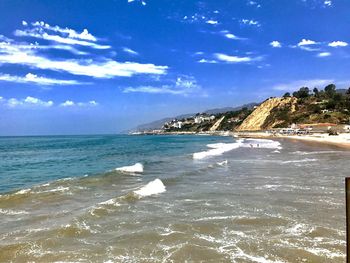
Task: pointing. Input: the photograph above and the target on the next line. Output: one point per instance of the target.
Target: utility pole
(347, 204)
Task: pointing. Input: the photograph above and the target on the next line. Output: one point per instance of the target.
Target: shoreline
(342, 140)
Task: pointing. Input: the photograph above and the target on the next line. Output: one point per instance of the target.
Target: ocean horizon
(121, 198)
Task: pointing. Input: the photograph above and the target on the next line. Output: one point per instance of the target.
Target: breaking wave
(216, 149)
(262, 143)
(136, 168)
(220, 148)
(152, 188)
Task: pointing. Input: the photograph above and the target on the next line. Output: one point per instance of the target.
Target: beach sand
(341, 140)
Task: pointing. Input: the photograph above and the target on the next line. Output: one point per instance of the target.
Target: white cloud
(32, 102)
(310, 49)
(130, 51)
(184, 85)
(327, 3)
(3, 38)
(229, 35)
(32, 78)
(295, 85)
(70, 33)
(323, 54)
(203, 60)
(233, 59)
(66, 36)
(198, 53)
(9, 45)
(70, 103)
(67, 103)
(305, 42)
(254, 3)
(276, 44)
(154, 90)
(338, 44)
(250, 22)
(59, 39)
(24, 55)
(28, 102)
(142, 2)
(36, 101)
(212, 22)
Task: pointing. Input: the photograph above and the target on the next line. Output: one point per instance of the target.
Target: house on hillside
(202, 118)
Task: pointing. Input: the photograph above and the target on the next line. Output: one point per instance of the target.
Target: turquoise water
(26, 161)
(197, 199)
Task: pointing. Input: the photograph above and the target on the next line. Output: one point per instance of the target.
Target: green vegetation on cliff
(301, 107)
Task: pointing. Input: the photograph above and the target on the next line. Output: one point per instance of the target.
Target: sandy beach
(341, 140)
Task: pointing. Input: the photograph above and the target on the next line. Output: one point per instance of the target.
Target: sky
(92, 67)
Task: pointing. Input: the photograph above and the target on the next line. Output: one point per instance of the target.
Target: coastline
(342, 140)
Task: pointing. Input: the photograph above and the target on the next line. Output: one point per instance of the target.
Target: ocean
(119, 198)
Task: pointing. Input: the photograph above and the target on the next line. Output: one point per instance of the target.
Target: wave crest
(152, 188)
(136, 168)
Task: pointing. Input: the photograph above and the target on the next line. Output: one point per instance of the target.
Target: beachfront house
(202, 118)
(177, 124)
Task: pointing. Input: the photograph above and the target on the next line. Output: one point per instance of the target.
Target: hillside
(158, 124)
(303, 107)
(266, 116)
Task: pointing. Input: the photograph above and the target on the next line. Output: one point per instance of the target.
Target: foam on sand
(262, 143)
(217, 149)
(152, 188)
(136, 168)
(220, 148)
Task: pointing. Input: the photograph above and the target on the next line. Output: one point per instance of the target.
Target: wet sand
(342, 140)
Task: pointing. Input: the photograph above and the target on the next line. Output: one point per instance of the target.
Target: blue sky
(78, 67)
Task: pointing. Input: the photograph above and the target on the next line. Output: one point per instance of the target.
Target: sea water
(170, 199)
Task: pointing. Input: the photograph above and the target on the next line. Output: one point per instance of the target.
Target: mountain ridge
(158, 124)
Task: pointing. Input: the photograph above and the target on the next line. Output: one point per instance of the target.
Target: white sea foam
(315, 152)
(222, 163)
(262, 143)
(136, 168)
(299, 229)
(325, 252)
(220, 148)
(57, 189)
(23, 191)
(112, 202)
(12, 212)
(268, 186)
(216, 149)
(152, 188)
(306, 160)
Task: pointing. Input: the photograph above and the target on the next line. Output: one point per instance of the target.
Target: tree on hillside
(302, 93)
(316, 92)
(286, 95)
(348, 91)
(330, 90)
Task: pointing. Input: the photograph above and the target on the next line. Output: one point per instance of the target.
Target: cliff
(217, 124)
(269, 114)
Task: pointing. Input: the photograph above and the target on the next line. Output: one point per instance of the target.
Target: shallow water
(272, 201)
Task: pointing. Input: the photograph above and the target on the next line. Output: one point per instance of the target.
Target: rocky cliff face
(217, 124)
(269, 114)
